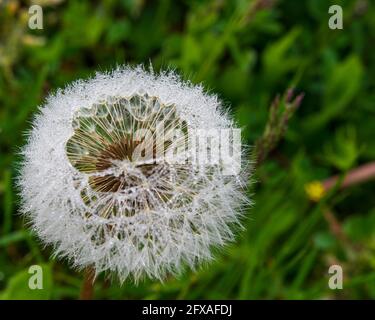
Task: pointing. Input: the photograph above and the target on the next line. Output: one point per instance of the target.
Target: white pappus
(86, 191)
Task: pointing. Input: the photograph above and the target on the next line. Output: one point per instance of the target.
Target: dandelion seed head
(88, 190)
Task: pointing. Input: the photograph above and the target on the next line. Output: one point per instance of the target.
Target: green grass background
(246, 54)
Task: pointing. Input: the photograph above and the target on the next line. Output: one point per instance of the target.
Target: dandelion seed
(97, 185)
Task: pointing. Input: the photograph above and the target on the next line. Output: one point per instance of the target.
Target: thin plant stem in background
(358, 175)
(281, 110)
(318, 189)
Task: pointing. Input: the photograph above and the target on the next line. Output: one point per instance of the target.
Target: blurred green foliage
(247, 52)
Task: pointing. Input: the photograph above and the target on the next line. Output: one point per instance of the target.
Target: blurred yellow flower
(315, 190)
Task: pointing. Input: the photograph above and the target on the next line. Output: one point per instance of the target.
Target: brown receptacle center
(101, 139)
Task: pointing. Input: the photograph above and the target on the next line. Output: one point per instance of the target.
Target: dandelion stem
(87, 290)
